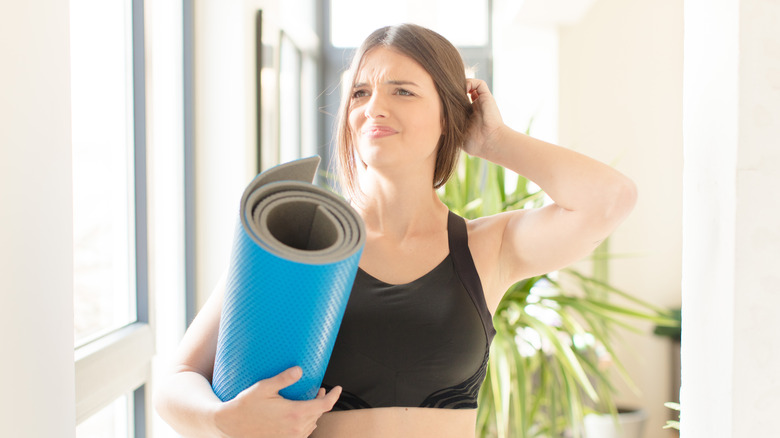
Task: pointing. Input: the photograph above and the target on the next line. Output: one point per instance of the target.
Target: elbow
(164, 395)
(630, 194)
(621, 200)
(160, 401)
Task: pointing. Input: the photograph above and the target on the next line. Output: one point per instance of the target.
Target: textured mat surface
(294, 259)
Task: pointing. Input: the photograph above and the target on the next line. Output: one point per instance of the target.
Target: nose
(375, 107)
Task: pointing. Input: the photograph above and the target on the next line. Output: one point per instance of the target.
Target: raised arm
(186, 401)
(590, 199)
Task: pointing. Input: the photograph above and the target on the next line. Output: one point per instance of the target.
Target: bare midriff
(398, 422)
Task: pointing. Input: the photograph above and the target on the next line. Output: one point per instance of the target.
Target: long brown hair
(443, 62)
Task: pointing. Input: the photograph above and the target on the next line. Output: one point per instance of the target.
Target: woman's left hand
(485, 123)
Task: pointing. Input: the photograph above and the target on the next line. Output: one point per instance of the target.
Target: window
(297, 98)
(111, 421)
(103, 167)
(289, 100)
(463, 22)
(114, 343)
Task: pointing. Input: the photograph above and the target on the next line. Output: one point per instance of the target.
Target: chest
(415, 338)
(431, 315)
(401, 262)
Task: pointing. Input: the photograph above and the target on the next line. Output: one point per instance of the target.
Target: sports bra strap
(467, 271)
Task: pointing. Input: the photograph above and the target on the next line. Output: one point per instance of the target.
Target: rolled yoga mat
(294, 259)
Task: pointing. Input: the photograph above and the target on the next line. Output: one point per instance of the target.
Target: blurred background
(602, 77)
(137, 124)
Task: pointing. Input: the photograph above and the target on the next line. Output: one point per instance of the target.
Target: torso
(416, 266)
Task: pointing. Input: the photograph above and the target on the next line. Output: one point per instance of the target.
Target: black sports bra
(419, 344)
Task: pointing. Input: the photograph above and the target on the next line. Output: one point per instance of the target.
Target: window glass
(309, 105)
(113, 421)
(463, 22)
(103, 156)
(290, 102)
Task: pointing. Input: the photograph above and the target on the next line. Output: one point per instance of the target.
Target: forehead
(382, 64)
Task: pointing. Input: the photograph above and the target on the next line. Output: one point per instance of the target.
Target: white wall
(731, 350)
(36, 318)
(621, 103)
(525, 77)
(225, 115)
(222, 158)
(225, 132)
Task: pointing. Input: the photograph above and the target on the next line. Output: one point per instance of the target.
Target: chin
(387, 156)
(373, 155)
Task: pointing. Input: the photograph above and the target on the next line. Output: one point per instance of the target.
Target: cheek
(429, 121)
(354, 123)
(354, 120)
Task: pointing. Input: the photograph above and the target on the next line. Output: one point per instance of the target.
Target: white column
(36, 272)
(165, 190)
(731, 217)
(756, 399)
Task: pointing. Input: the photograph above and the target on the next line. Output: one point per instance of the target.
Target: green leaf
(671, 424)
(565, 357)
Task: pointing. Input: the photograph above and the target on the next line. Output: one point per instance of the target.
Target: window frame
(120, 362)
(302, 44)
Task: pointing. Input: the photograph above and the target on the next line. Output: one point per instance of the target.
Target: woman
(412, 349)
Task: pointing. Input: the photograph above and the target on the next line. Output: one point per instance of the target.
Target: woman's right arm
(185, 400)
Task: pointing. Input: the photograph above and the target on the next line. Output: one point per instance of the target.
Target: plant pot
(629, 424)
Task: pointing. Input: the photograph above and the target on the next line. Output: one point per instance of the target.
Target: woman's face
(395, 112)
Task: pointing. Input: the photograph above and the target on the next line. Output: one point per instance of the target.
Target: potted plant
(553, 331)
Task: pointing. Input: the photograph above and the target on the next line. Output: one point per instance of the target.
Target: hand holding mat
(294, 259)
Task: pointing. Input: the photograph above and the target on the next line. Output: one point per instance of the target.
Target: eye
(404, 92)
(359, 93)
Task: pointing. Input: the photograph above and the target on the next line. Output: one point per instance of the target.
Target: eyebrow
(391, 82)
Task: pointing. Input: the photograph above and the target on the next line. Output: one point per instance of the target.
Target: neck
(400, 206)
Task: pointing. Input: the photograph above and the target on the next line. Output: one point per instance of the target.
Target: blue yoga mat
(294, 259)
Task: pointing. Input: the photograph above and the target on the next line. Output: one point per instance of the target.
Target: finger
(475, 84)
(480, 86)
(282, 380)
(474, 91)
(320, 393)
(330, 399)
(325, 402)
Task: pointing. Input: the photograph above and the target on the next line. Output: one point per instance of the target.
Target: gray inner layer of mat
(290, 217)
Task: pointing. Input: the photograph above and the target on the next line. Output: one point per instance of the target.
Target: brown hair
(443, 62)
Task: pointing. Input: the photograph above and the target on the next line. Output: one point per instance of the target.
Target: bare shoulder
(488, 229)
(486, 236)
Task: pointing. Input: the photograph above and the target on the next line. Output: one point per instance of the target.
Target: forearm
(187, 403)
(574, 181)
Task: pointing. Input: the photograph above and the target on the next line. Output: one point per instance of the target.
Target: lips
(376, 131)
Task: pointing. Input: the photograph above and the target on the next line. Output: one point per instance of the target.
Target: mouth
(378, 131)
